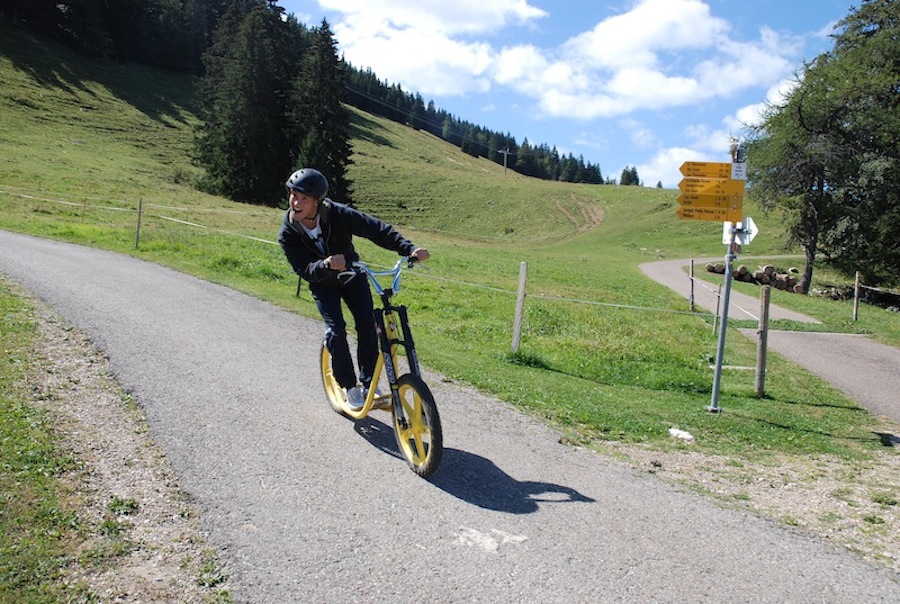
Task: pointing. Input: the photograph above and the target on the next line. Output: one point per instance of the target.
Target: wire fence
(718, 294)
(125, 207)
(90, 203)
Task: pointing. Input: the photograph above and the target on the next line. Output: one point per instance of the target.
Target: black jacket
(339, 224)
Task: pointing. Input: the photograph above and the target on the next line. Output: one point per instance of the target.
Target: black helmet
(309, 181)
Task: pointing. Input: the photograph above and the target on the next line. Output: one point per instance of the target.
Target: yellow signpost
(706, 169)
(710, 192)
(715, 191)
(707, 213)
(714, 186)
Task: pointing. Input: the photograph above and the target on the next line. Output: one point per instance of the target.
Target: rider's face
(304, 206)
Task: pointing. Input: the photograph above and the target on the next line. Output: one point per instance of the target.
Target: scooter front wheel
(417, 426)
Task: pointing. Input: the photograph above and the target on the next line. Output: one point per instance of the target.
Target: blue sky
(644, 83)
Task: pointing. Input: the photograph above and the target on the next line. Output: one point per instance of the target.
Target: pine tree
(630, 176)
(525, 163)
(322, 119)
(416, 117)
(245, 141)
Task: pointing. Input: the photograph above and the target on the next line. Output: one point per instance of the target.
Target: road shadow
(475, 479)
(887, 439)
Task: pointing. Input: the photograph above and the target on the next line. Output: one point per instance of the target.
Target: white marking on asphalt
(489, 541)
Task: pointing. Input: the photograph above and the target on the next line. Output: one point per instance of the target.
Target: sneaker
(356, 398)
(382, 401)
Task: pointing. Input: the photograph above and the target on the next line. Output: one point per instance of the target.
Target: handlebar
(394, 272)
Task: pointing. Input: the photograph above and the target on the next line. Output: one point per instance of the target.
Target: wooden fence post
(762, 342)
(691, 299)
(520, 308)
(856, 298)
(137, 233)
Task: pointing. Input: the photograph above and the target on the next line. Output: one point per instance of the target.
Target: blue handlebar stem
(394, 272)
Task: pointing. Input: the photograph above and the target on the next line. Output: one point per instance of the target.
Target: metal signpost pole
(715, 191)
(720, 349)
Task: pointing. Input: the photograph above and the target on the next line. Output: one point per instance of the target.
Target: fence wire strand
(26, 194)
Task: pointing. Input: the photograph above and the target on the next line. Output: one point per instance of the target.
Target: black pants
(358, 298)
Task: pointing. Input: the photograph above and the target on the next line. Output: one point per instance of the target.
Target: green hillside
(605, 353)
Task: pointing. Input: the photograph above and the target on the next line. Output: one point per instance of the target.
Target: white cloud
(521, 66)
(459, 17)
(448, 18)
(417, 59)
(827, 31)
(591, 140)
(752, 115)
(635, 38)
(413, 42)
(658, 54)
(748, 117)
(665, 164)
(662, 53)
(644, 138)
(711, 141)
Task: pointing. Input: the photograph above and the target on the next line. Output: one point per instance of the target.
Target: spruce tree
(245, 141)
(322, 120)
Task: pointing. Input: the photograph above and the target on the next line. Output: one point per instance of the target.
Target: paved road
(673, 274)
(305, 506)
(866, 371)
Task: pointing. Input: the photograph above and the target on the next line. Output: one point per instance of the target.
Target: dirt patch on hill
(586, 216)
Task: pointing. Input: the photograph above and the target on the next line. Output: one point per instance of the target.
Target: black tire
(417, 426)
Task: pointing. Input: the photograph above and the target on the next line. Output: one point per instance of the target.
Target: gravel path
(305, 506)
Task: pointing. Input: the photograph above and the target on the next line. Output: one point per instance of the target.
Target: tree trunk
(806, 280)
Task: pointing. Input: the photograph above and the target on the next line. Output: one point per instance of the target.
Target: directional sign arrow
(749, 231)
(712, 186)
(696, 200)
(705, 169)
(713, 214)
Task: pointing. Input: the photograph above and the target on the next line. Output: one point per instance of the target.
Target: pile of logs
(766, 275)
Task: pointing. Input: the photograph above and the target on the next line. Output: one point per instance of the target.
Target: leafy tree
(323, 121)
(864, 72)
(163, 33)
(828, 159)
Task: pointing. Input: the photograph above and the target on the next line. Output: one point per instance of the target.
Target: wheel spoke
(416, 435)
(418, 426)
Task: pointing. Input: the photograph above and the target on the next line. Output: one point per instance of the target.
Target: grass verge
(39, 526)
